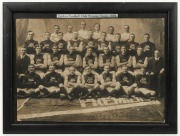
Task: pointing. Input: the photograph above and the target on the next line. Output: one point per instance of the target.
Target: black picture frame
(11, 8)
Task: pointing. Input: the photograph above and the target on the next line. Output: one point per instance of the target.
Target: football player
(62, 45)
(125, 35)
(96, 33)
(32, 84)
(90, 42)
(56, 59)
(139, 60)
(116, 44)
(148, 46)
(40, 61)
(132, 45)
(143, 85)
(72, 59)
(123, 59)
(110, 36)
(90, 84)
(30, 44)
(83, 33)
(53, 82)
(90, 60)
(69, 35)
(106, 59)
(76, 43)
(54, 36)
(47, 44)
(103, 43)
(72, 84)
(126, 79)
(109, 86)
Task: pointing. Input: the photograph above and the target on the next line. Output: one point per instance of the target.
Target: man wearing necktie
(155, 69)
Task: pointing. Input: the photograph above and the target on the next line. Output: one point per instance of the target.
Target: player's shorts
(28, 90)
(53, 89)
(126, 89)
(40, 73)
(120, 70)
(137, 71)
(57, 70)
(90, 88)
(66, 72)
(113, 86)
(146, 91)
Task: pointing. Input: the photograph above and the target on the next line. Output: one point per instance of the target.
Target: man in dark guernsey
(116, 43)
(53, 82)
(90, 60)
(156, 71)
(90, 84)
(47, 44)
(106, 59)
(123, 59)
(56, 59)
(126, 80)
(90, 42)
(103, 43)
(62, 45)
(72, 83)
(139, 60)
(143, 85)
(31, 84)
(22, 63)
(148, 46)
(30, 44)
(40, 61)
(109, 86)
(72, 59)
(132, 45)
(76, 43)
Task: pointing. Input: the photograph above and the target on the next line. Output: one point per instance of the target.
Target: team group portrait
(99, 63)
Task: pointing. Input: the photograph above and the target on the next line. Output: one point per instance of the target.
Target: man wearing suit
(155, 69)
(22, 65)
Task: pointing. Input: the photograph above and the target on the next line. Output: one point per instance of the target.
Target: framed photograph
(90, 68)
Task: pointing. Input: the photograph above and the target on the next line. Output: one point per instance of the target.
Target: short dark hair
(31, 65)
(30, 32)
(147, 34)
(56, 26)
(83, 21)
(111, 27)
(47, 32)
(97, 24)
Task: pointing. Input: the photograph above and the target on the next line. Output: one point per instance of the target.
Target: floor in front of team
(56, 110)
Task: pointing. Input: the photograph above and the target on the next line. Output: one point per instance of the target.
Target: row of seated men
(154, 66)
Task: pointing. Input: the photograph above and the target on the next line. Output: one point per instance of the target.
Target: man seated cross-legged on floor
(143, 85)
(53, 82)
(31, 84)
(90, 83)
(73, 85)
(109, 86)
(126, 79)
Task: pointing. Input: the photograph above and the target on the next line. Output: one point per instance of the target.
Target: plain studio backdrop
(153, 26)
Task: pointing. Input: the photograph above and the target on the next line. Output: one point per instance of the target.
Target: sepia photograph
(90, 69)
